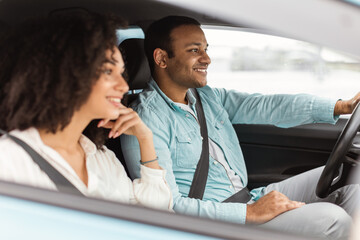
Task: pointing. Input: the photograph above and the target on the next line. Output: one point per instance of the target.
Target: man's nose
(205, 58)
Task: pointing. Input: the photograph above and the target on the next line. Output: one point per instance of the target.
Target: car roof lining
(128, 9)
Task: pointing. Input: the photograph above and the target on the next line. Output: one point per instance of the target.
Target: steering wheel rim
(337, 156)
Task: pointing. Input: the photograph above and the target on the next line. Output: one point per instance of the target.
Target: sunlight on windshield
(253, 62)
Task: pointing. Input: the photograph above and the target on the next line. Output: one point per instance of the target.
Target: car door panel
(273, 154)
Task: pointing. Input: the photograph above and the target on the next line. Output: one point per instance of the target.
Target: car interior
(138, 74)
(271, 153)
(267, 149)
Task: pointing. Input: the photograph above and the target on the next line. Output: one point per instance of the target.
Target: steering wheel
(332, 172)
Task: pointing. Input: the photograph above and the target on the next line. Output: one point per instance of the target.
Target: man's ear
(160, 57)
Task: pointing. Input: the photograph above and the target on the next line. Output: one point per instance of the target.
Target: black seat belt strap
(202, 169)
(201, 173)
(242, 196)
(62, 184)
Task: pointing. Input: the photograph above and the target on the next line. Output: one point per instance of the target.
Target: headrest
(136, 63)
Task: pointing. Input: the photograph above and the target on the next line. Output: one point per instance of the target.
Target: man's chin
(201, 84)
(196, 83)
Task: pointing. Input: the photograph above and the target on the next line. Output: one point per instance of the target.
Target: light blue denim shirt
(178, 140)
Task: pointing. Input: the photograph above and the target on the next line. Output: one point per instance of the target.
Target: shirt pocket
(222, 120)
(188, 149)
(224, 130)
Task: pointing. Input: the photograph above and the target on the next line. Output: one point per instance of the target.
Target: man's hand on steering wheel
(332, 173)
(346, 106)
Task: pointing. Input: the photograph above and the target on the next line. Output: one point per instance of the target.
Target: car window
(356, 2)
(131, 32)
(256, 62)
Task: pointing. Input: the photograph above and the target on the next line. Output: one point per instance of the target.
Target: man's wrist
(248, 216)
(339, 107)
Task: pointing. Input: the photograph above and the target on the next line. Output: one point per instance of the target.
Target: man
(176, 49)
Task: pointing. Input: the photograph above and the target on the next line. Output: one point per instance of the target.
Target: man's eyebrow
(196, 44)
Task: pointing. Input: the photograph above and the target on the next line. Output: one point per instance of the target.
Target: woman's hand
(129, 123)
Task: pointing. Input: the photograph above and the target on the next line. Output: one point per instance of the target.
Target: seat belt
(202, 169)
(242, 196)
(201, 173)
(62, 184)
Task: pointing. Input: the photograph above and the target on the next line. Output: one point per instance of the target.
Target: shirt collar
(88, 146)
(191, 98)
(170, 102)
(32, 133)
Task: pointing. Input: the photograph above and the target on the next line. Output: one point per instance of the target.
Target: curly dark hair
(48, 67)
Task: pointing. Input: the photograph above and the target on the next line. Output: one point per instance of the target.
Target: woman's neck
(66, 143)
(67, 138)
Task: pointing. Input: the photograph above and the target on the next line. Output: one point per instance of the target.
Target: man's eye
(194, 50)
(107, 71)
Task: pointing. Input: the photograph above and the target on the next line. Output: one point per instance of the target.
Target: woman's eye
(107, 71)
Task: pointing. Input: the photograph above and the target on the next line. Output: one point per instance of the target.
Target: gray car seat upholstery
(137, 67)
(138, 74)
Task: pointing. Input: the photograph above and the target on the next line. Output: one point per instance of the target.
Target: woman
(59, 76)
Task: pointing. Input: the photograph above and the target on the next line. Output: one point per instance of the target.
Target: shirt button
(187, 115)
(230, 186)
(215, 162)
(189, 139)
(222, 122)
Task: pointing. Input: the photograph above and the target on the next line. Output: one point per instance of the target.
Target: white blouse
(106, 176)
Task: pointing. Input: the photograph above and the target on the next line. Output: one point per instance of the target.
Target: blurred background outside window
(260, 63)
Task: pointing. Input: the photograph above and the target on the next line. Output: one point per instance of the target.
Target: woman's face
(105, 98)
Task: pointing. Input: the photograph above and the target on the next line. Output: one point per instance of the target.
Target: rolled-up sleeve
(282, 110)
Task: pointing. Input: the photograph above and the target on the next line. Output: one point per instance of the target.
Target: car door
(36, 213)
(273, 154)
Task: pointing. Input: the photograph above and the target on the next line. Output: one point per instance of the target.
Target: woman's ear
(160, 57)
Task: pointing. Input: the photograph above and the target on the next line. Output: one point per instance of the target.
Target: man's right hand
(269, 206)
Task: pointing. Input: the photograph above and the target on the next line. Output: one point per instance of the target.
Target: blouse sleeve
(151, 190)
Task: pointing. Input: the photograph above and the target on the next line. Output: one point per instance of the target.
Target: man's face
(188, 66)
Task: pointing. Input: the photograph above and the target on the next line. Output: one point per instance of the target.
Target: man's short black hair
(158, 35)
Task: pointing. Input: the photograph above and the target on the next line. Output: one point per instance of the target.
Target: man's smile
(204, 70)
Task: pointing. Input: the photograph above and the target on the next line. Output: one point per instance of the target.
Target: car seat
(137, 67)
(138, 74)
